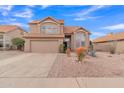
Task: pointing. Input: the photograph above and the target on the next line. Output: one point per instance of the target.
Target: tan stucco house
(47, 34)
(105, 43)
(7, 33)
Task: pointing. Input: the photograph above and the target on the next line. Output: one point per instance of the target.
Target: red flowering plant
(81, 51)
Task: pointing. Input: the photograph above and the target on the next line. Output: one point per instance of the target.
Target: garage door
(45, 46)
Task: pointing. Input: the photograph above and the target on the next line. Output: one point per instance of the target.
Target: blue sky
(99, 20)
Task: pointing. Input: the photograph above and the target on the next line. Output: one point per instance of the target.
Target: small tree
(18, 42)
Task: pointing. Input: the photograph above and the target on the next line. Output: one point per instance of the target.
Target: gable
(50, 20)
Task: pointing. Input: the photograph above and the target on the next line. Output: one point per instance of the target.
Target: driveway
(8, 54)
(27, 65)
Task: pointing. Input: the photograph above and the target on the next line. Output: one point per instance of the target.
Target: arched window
(50, 28)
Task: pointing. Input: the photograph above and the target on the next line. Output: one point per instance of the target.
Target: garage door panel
(44, 46)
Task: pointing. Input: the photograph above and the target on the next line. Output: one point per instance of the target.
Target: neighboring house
(105, 43)
(47, 34)
(7, 33)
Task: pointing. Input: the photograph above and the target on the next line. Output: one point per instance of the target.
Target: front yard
(104, 65)
(20, 64)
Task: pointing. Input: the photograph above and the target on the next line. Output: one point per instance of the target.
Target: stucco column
(74, 43)
(87, 40)
(27, 45)
(4, 41)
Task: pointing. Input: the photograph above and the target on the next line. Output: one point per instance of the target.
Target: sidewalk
(62, 82)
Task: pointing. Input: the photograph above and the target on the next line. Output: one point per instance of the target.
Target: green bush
(18, 42)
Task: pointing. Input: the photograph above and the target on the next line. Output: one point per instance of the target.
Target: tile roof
(61, 21)
(7, 28)
(37, 21)
(71, 29)
(110, 37)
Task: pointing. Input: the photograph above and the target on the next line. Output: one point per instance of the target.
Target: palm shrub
(91, 50)
(18, 42)
(80, 53)
(61, 48)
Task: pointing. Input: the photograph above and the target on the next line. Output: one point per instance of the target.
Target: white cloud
(98, 34)
(27, 13)
(5, 9)
(84, 14)
(45, 6)
(31, 5)
(19, 24)
(88, 11)
(115, 27)
(84, 18)
(6, 20)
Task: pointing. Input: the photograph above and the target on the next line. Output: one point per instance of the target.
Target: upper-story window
(50, 29)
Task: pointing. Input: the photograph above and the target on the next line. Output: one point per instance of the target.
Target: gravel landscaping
(104, 65)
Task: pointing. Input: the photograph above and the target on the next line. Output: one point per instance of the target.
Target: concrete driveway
(27, 65)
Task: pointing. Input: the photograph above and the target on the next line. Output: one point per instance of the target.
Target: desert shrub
(81, 52)
(61, 48)
(112, 48)
(18, 42)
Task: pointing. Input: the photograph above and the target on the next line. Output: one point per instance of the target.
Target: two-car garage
(44, 46)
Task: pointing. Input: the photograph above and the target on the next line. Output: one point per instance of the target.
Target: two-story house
(47, 34)
(7, 33)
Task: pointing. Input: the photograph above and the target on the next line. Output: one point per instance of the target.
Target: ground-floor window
(1, 40)
(80, 39)
(1, 43)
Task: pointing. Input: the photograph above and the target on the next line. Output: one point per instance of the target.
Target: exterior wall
(120, 47)
(33, 28)
(36, 28)
(105, 47)
(86, 39)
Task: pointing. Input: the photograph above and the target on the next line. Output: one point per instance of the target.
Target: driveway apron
(27, 65)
